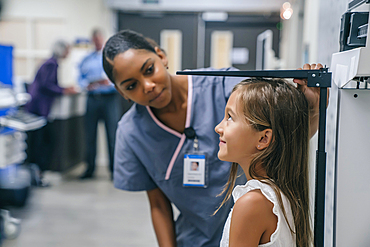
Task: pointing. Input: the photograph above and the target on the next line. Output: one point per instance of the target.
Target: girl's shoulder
(253, 219)
(255, 197)
(251, 185)
(253, 205)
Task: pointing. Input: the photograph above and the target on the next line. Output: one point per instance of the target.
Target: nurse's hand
(313, 97)
(312, 93)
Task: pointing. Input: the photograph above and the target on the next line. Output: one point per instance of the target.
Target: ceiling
(245, 6)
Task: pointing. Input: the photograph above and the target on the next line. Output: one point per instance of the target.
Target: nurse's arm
(162, 218)
(313, 97)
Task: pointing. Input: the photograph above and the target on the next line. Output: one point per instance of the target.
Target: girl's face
(238, 139)
(141, 76)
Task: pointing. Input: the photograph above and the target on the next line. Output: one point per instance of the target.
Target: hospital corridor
(196, 123)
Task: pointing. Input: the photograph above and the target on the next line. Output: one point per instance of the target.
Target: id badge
(195, 170)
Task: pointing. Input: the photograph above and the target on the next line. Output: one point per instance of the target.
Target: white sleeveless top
(282, 237)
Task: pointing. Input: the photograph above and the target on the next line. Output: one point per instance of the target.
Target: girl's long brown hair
(277, 105)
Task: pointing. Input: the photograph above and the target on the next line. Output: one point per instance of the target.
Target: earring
(258, 146)
(166, 67)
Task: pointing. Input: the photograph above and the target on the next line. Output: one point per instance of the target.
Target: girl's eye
(131, 86)
(229, 118)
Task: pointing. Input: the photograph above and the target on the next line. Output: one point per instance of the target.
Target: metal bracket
(319, 78)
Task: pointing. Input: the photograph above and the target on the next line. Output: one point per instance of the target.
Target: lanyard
(190, 134)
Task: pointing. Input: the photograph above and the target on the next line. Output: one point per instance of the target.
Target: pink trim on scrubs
(166, 128)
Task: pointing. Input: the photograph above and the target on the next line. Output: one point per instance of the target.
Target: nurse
(169, 127)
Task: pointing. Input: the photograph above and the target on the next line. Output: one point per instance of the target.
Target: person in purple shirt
(43, 91)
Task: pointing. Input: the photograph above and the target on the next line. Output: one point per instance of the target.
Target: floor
(83, 213)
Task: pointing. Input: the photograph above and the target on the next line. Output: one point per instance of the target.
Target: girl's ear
(265, 139)
(161, 55)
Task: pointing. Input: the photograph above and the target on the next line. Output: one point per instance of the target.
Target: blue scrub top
(148, 155)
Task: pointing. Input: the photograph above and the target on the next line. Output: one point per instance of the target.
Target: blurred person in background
(102, 104)
(43, 91)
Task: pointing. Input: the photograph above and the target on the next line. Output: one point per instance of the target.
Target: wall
(312, 34)
(31, 26)
(292, 37)
(80, 16)
(310, 31)
(328, 39)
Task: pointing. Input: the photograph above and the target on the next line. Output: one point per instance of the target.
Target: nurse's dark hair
(119, 43)
(277, 105)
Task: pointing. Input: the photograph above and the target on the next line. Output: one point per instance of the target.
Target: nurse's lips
(222, 142)
(157, 96)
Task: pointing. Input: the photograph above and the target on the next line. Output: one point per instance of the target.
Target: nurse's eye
(229, 118)
(131, 86)
(149, 70)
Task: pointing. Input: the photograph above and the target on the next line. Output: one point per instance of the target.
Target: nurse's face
(141, 76)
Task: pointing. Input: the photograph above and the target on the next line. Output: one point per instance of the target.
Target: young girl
(266, 131)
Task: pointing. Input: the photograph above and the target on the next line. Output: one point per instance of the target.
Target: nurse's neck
(174, 114)
(179, 89)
